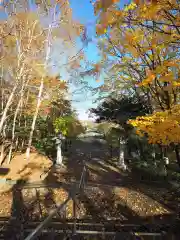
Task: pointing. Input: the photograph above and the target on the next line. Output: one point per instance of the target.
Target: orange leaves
(103, 5)
(53, 82)
(150, 74)
(108, 18)
(171, 64)
(132, 50)
(97, 67)
(34, 81)
(133, 38)
(168, 77)
(129, 37)
(137, 2)
(150, 78)
(100, 29)
(56, 82)
(163, 77)
(129, 43)
(154, 41)
(62, 85)
(151, 11)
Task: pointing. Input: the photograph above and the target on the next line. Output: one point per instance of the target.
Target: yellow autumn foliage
(140, 11)
(144, 41)
(161, 127)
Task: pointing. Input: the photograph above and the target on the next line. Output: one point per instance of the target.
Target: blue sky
(83, 11)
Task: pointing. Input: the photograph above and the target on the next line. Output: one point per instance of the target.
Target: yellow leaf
(166, 78)
(131, 6)
(171, 64)
(100, 29)
(176, 84)
(137, 2)
(103, 5)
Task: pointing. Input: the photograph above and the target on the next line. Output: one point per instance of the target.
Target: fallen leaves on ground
(139, 203)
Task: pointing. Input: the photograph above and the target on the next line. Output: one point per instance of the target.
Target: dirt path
(130, 200)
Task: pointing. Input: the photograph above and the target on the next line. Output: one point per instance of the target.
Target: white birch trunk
(17, 143)
(22, 144)
(14, 122)
(39, 97)
(121, 154)
(10, 153)
(2, 90)
(8, 104)
(13, 132)
(34, 119)
(2, 146)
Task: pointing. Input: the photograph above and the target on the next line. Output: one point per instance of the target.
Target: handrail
(40, 227)
(35, 233)
(82, 177)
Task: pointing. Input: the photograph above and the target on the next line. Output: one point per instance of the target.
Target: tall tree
(140, 54)
(28, 36)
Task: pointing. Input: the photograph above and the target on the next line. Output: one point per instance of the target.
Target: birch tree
(26, 53)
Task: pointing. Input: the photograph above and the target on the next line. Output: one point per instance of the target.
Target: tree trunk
(22, 144)
(39, 95)
(164, 160)
(17, 143)
(177, 155)
(13, 133)
(2, 153)
(34, 118)
(3, 146)
(121, 154)
(14, 123)
(141, 150)
(8, 104)
(154, 155)
(10, 153)
(129, 149)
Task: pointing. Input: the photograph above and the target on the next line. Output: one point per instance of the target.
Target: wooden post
(74, 215)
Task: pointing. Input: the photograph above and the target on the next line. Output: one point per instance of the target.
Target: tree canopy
(32, 94)
(140, 55)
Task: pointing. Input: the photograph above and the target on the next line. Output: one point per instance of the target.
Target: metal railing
(73, 193)
(72, 196)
